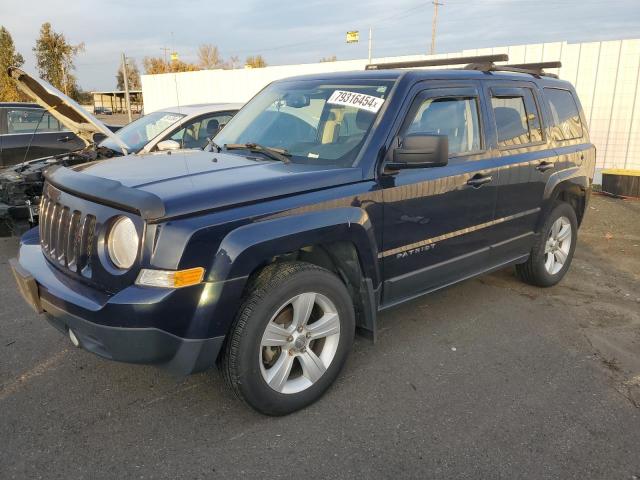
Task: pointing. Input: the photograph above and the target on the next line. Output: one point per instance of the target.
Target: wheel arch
(569, 186)
(339, 240)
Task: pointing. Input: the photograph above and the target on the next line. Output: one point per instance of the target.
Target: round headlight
(122, 243)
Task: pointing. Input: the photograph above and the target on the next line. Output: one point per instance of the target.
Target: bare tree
(155, 65)
(133, 76)
(233, 62)
(209, 57)
(255, 61)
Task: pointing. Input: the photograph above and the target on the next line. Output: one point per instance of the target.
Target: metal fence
(606, 75)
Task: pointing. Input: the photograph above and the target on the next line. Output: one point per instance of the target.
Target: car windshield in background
(313, 121)
(137, 134)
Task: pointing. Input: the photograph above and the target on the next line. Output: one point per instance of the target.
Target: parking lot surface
(490, 378)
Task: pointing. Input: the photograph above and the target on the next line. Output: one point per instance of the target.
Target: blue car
(325, 200)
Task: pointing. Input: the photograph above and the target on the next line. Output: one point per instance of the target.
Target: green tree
(133, 76)
(255, 61)
(54, 59)
(8, 58)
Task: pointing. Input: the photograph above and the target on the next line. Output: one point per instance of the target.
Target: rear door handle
(479, 180)
(544, 166)
(64, 139)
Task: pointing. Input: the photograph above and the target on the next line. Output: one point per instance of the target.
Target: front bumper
(108, 325)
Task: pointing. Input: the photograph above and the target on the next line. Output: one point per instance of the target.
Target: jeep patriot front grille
(67, 236)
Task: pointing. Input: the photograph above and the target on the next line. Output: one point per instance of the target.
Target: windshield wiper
(278, 154)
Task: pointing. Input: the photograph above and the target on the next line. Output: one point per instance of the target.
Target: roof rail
(439, 62)
(536, 69)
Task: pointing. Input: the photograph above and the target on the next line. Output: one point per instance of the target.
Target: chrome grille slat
(53, 230)
(71, 251)
(67, 235)
(63, 232)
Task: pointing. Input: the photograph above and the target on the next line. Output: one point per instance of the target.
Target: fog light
(170, 278)
(73, 338)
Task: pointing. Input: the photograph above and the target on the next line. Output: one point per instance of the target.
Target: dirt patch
(604, 284)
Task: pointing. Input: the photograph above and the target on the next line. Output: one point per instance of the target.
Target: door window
(517, 117)
(28, 120)
(196, 134)
(455, 117)
(566, 118)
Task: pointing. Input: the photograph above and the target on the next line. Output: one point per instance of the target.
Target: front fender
(250, 246)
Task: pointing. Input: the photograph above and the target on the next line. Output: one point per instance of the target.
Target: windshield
(137, 134)
(314, 121)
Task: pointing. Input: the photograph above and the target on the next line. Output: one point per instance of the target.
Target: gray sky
(304, 31)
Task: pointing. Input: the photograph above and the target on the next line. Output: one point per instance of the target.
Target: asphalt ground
(490, 378)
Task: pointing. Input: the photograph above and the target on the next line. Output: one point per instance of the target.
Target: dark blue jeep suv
(325, 200)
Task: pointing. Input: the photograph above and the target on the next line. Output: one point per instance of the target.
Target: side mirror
(420, 151)
(167, 145)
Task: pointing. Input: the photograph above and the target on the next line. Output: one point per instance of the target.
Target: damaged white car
(184, 127)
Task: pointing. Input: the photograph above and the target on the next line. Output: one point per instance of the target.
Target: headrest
(213, 126)
(440, 115)
(509, 123)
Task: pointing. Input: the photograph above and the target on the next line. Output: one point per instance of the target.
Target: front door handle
(479, 180)
(544, 166)
(64, 139)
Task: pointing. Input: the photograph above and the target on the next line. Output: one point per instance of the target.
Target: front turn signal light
(170, 278)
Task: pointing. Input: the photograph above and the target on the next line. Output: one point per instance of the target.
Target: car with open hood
(327, 199)
(188, 127)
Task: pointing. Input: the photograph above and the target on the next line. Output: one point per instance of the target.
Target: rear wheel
(291, 338)
(553, 251)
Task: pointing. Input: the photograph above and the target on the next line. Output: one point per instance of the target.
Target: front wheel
(552, 253)
(291, 338)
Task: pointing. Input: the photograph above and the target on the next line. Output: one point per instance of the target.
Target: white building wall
(606, 75)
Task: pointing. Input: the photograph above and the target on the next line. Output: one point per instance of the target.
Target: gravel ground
(487, 379)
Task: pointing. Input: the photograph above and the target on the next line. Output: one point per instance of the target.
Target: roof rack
(536, 69)
(483, 63)
(439, 62)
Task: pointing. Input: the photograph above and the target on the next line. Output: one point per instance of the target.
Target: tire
(550, 256)
(310, 317)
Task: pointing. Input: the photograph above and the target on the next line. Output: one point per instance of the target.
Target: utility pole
(370, 42)
(165, 50)
(126, 86)
(433, 26)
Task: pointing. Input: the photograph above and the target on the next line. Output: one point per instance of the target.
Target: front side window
(314, 121)
(137, 134)
(517, 118)
(196, 134)
(566, 118)
(457, 118)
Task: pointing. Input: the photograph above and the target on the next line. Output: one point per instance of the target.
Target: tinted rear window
(517, 116)
(566, 118)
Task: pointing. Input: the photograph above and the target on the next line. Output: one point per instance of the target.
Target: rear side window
(566, 118)
(455, 117)
(517, 117)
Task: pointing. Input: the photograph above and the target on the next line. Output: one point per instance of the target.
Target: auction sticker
(357, 100)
